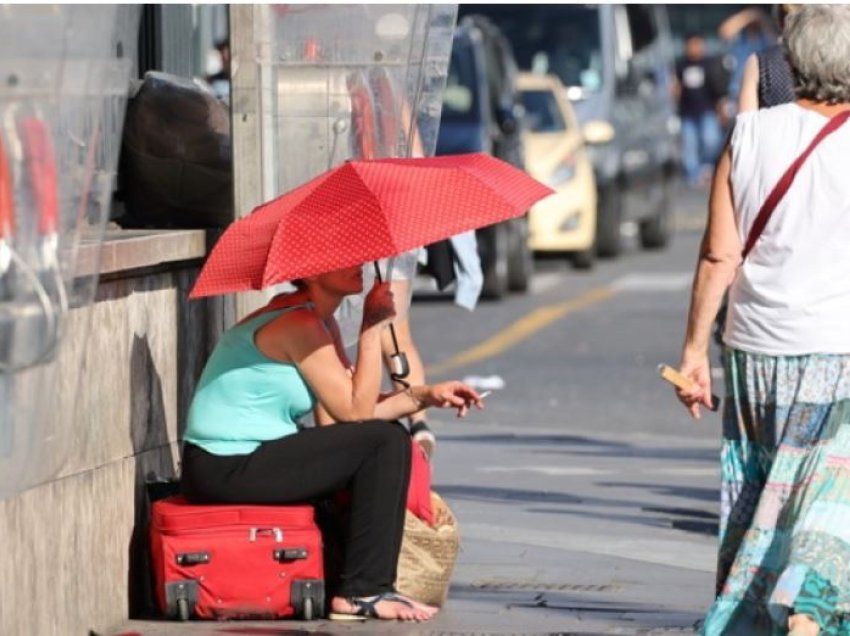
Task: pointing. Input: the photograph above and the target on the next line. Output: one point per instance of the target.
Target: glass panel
(542, 111)
(64, 74)
(561, 39)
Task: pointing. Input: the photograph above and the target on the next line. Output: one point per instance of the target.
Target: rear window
(562, 39)
(542, 113)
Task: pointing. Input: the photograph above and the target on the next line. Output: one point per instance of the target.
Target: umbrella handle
(400, 367)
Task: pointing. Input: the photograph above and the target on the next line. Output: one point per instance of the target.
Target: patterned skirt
(785, 495)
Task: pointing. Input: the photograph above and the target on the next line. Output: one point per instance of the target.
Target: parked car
(555, 155)
(616, 62)
(481, 113)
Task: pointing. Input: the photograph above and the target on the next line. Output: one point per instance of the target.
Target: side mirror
(508, 119)
(647, 82)
(598, 132)
(636, 79)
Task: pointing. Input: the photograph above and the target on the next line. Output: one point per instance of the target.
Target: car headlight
(571, 223)
(565, 172)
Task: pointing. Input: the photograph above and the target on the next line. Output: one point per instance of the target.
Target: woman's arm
(452, 394)
(749, 97)
(320, 415)
(303, 339)
(719, 257)
(732, 26)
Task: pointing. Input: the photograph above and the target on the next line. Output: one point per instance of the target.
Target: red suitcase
(234, 561)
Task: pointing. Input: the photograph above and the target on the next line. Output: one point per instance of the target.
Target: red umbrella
(362, 211)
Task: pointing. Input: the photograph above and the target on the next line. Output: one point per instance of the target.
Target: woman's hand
(452, 394)
(378, 307)
(697, 368)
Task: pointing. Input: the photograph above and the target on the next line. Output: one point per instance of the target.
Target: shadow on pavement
(680, 454)
(268, 631)
(694, 521)
(619, 612)
(590, 447)
(484, 493)
(685, 492)
(500, 494)
(526, 440)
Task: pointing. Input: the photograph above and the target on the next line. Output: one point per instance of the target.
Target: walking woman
(244, 442)
(784, 560)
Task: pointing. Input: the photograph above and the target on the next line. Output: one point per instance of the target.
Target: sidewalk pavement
(563, 533)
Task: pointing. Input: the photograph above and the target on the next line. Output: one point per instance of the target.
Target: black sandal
(364, 607)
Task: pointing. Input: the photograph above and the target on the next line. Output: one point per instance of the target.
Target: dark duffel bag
(176, 159)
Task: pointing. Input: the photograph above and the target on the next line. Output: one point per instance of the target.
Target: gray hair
(817, 40)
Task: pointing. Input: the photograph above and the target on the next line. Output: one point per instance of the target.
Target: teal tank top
(244, 398)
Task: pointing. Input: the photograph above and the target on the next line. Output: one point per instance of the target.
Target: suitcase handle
(192, 558)
(290, 554)
(277, 533)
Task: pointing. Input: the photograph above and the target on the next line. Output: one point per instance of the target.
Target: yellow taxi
(554, 154)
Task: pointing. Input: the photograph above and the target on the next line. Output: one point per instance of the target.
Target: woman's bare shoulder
(291, 332)
(296, 317)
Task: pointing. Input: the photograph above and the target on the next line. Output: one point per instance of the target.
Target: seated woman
(243, 442)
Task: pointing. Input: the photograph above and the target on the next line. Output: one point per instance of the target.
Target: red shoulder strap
(787, 179)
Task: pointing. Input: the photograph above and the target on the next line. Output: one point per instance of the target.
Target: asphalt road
(587, 500)
(586, 496)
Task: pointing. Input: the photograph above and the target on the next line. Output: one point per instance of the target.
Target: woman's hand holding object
(697, 371)
(378, 308)
(452, 394)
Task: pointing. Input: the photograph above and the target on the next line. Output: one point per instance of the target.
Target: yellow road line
(522, 329)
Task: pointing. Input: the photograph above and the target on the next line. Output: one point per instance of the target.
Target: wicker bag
(428, 555)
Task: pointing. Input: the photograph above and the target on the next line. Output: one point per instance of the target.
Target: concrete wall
(72, 557)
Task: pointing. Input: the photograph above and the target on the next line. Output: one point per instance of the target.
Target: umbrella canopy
(363, 211)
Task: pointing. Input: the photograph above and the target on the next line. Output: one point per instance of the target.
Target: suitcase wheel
(307, 609)
(183, 612)
(181, 598)
(308, 598)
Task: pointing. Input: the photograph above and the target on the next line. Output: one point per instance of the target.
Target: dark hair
(693, 35)
(298, 283)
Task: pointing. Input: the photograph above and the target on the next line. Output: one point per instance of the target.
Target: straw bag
(428, 555)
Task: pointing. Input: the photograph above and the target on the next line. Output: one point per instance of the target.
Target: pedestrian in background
(784, 561)
(767, 78)
(402, 337)
(746, 33)
(697, 92)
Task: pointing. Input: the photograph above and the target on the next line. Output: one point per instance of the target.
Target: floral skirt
(785, 495)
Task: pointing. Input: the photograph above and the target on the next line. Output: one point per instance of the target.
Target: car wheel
(585, 259)
(521, 260)
(493, 246)
(655, 233)
(608, 218)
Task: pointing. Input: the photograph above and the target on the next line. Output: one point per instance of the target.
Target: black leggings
(371, 458)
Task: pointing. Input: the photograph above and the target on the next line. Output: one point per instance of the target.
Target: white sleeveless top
(792, 294)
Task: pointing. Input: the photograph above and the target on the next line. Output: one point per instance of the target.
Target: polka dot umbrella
(362, 211)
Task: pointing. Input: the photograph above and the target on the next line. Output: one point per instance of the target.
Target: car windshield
(460, 100)
(560, 39)
(543, 115)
